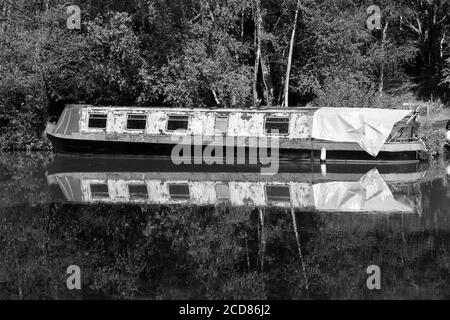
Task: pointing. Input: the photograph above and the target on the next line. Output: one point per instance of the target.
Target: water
(150, 230)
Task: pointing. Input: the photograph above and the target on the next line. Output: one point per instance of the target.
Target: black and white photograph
(224, 155)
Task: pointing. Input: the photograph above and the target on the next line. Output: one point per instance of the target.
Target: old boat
(358, 135)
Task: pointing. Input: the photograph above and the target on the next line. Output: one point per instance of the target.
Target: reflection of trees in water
(22, 179)
(189, 252)
(215, 252)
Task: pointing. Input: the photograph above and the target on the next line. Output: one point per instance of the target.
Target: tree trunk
(289, 63)
(268, 90)
(216, 98)
(5, 12)
(257, 57)
(259, 60)
(383, 42)
(242, 22)
(441, 46)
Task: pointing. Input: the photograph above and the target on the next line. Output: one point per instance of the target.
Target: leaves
(201, 53)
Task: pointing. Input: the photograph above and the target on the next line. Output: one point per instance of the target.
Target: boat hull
(68, 145)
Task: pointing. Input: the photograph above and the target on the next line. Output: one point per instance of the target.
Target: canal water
(146, 229)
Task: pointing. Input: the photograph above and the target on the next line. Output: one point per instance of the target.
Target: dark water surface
(147, 229)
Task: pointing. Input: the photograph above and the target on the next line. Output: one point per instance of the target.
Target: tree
(260, 60)
(225, 53)
(210, 69)
(427, 22)
(291, 49)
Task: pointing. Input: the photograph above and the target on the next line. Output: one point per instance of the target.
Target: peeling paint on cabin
(245, 117)
(252, 127)
(201, 122)
(300, 126)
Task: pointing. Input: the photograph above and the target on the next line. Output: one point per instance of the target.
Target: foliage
(344, 93)
(49, 65)
(446, 74)
(434, 139)
(202, 53)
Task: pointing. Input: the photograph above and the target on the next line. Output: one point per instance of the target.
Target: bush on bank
(434, 139)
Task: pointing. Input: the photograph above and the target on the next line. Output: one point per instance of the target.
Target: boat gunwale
(266, 109)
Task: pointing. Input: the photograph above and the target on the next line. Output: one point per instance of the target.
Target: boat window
(221, 124)
(99, 191)
(138, 191)
(278, 193)
(179, 191)
(136, 122)
(223, 192)
(280, 124)
(97, 120)
(177, 123)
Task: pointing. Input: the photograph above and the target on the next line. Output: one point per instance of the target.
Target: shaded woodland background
(208, 53)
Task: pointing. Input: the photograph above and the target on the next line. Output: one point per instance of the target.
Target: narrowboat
(384, 189)
(326, 134)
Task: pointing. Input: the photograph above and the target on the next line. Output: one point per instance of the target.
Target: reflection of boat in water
(307, 188)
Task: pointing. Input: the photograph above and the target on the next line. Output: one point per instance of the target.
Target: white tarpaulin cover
(369, 194)
(370, 128)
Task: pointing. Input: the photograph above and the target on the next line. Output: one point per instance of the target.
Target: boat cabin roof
(178, 109)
